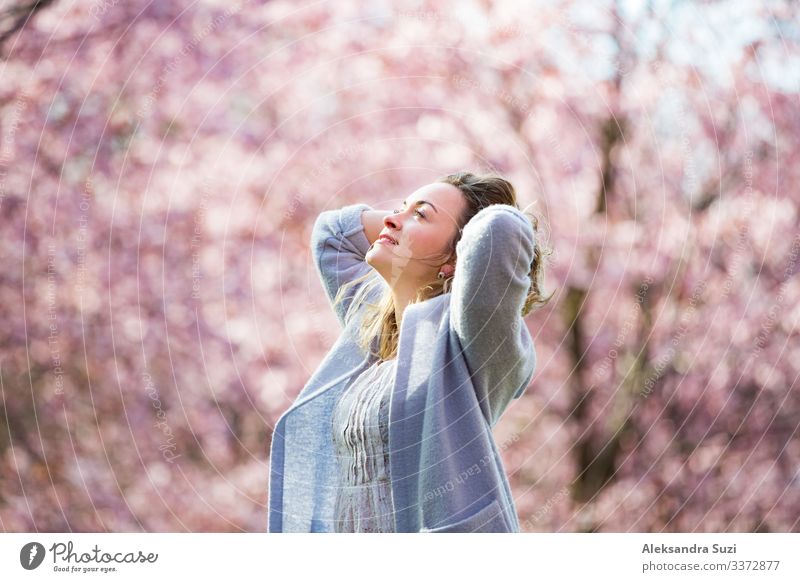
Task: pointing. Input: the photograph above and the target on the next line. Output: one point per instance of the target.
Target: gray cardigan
(462, 357)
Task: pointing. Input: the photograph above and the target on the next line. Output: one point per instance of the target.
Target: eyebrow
(421, 202)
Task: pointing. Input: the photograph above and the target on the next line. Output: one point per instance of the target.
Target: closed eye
(417, 212)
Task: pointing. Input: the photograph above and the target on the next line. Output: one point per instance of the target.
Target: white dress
(360, 431)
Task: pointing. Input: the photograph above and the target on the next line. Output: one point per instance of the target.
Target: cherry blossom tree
(161, 165)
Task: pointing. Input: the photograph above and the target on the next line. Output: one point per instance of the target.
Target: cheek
(426, 240)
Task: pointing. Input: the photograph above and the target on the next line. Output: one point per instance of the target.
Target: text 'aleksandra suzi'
(693, 549)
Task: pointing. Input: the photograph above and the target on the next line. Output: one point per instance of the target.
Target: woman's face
(423, 227)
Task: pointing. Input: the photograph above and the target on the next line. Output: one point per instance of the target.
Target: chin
(372, 255)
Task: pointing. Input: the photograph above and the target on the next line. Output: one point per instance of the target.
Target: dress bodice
(360, 431)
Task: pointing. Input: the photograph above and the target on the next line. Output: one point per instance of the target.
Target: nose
(392, 221)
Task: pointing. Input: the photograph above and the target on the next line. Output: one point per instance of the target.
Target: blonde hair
(379, 322)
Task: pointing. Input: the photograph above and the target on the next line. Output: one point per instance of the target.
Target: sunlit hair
(379, 324)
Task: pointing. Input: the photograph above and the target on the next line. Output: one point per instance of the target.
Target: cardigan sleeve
(339, 245)
(491, 282)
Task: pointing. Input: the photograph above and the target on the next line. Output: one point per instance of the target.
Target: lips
(387, 238)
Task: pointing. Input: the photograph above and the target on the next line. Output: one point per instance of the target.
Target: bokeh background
(162, 164)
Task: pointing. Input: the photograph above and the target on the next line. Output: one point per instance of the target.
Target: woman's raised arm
(339, 244)
(490, 284)
(373, 223)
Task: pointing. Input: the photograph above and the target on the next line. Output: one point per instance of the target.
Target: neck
(402, 297)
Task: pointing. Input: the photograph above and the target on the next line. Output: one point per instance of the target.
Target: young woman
(393, 432)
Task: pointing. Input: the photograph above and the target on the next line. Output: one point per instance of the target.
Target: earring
(448, 272)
